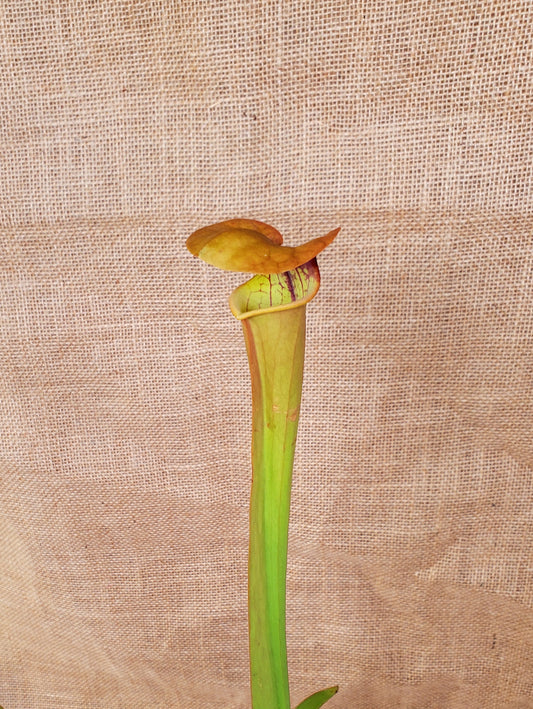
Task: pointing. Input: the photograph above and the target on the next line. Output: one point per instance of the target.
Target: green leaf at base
(317, 699)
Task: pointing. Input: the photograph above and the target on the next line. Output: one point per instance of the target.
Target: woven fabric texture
(124, 387)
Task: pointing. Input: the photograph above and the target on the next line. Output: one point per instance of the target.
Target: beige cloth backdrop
(124, 388)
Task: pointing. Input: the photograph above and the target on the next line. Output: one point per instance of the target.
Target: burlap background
(124, 387)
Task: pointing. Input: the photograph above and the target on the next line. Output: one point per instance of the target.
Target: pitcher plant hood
(250, 246)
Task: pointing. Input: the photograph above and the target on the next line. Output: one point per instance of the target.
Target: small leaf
(317, 699)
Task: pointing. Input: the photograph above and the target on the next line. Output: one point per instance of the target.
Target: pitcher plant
(272, 309)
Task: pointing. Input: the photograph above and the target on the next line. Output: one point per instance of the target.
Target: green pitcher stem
(275, 343)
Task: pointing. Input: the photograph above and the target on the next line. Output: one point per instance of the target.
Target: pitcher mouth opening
(275, 292)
